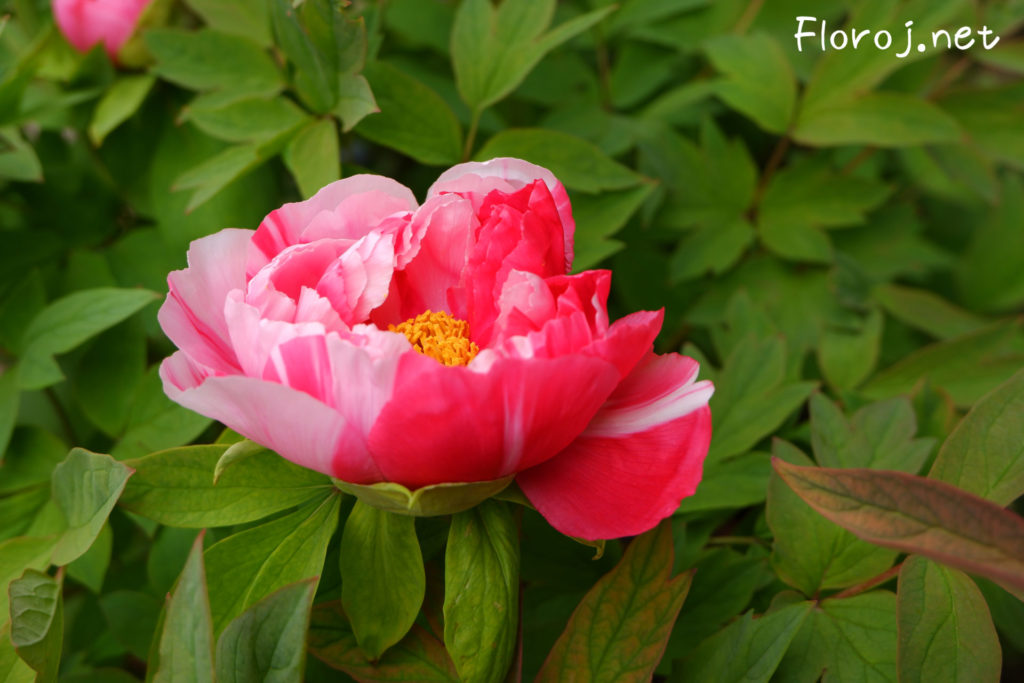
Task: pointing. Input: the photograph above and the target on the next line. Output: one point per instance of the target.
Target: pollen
(440, 336)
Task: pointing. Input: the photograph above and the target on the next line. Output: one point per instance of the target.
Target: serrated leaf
(985, 453)
(186, 641)
(481, 591)
(418, 657)
(249, 565)
(748, 650)
(945, 628)
(381, 573)
(916, 515)
(578, 164)
(118, 104)
(760, 81)
(37, 622)
(86, 487)
(175, 487)
(313, 156)
(413, 119)
(620, 628)
(267, 642)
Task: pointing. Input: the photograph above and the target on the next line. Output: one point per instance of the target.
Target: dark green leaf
(619, 630)
(926, 311)
(382, 577)
(945, 628)
(991, 273)
(132, 618)
(267, 642)
(735, 483)
(848, 357)
(481, 591)
(91, 568)
(156, 423)
(37, 622)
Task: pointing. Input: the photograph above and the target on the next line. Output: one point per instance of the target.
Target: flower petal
(448, 424)
(639, 457)
(358, 280)
(292, 423)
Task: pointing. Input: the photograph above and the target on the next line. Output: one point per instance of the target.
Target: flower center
(440, 336)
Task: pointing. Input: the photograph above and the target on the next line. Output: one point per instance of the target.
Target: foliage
(836, 237)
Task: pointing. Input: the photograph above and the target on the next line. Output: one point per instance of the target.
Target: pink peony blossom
(87, 22)
(366, 337)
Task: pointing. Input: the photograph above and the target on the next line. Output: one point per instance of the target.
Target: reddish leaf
(418, 657)
(620, 628)
(916, 515)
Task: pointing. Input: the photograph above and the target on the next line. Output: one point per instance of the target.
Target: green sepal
(427, 501)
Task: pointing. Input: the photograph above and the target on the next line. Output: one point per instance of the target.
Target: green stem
(474, 123)
(869, 584)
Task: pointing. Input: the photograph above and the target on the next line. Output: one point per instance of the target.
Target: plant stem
(748, 17)
(474, 123)
(736, 540)
(869, 584)
(62, 416)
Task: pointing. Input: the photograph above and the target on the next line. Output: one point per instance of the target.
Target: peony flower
(87, 22)
(374, 340)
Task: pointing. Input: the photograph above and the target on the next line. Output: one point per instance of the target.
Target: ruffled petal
(639, 457)
(358, 280)
(457, 424)
(292, 423)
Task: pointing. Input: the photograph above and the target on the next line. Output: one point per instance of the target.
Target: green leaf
(493, 49)
(759, 83)
(155, 422)
(186, 641)
(926, 311)
(118, 104)
(267, 642)
(108, 375)
(175, 487)
(85, 486)
(795, 241)
(316, 79)
(18, 160)
(249, 565)
(418, 657)
(847, 357)
(10, 399)
(245, 18)
(356, 100)
(313, 156)
(736, 483)
(17, 555)
(381, 574)
(600, 216)
(248, 119)
(91, 568)
(481, 591)
(235, 453)
(809, 192)
(853, 639)
(752, 397)
(991, 272)
(985, 453)
(12, 668)
(426, 501)
(578, 164)
(714, 247)
(916, 515)
(748, 650)
(619, 630)
(967, 367)
(219, 171)
(945, 628)
(211, 60)
(37, 622)
(884, 119)
(413, 119)
(810, 553)
(133, 619)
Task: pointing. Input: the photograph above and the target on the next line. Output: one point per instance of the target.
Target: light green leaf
(884, 119)
(248, 119)
(251, 564)
(245, 18)
(381, 573)
(748, 650)
(267, 642)
(493, 49)
(945, 628)
(211, 60)
(481, 591)
(118, 104)
(186, 641)
(12, 668)
(426, 501)
(219, 171)
(413, 119)
(795, 240)
(18, 160)
(313, 156)
(155, 422)
(760, 81)
(17, 555)
(175, 487)
(985, 453)
(578, 164)
(85, 486)
(355, 100)
(618, 631)
(847, 357)
(37, 622)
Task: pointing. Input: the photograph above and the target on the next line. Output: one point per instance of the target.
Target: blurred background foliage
(837, 237)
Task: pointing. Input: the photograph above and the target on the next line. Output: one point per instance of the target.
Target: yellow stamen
(440, 336)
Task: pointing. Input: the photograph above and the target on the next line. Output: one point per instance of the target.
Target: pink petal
(507, 174)
(351, 206)
(292, 423)
(192, 316)
(455, 424)
(639, 457)
(358, 281)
